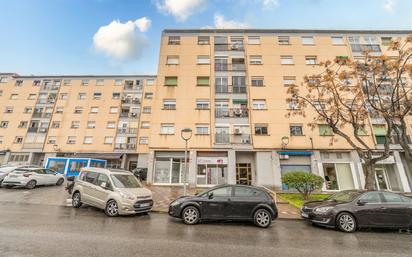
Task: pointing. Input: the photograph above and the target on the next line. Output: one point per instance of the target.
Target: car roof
(106, 171)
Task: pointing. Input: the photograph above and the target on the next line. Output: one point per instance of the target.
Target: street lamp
(186, 134)
(285, 141)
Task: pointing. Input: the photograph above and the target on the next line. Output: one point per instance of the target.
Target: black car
(353, 209)
(227, 202)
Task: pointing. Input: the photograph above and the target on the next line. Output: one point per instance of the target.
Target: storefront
(386, 175)
(168, 168)
(211, 168)
(338, 171)
(291, 161)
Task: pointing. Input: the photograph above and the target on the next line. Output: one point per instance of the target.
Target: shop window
(338, 176)
(211, 174)
(168, 170)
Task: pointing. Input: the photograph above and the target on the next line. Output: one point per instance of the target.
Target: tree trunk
(369, 170)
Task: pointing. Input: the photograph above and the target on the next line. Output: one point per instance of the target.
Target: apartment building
(73, 116)
(228, 86)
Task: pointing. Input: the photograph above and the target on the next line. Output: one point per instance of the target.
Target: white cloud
(390, 5)
(268, 4)
(122, 41)
(222, 23)
(180, 9)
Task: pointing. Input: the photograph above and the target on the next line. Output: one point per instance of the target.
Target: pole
(185, 171)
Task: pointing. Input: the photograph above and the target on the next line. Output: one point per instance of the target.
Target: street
(48, 230)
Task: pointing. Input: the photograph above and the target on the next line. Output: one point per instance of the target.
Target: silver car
(117, 192)
(32, 177)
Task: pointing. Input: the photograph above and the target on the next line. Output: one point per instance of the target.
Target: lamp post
(186, 134)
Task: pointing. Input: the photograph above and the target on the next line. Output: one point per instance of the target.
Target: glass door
(243, 174)
(381, 179)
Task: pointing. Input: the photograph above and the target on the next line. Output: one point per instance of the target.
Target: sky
(63, 37)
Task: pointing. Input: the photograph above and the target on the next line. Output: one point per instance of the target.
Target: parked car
(6, 169)
(353, 209)
(227, 202)
(32, 177)
(117, 192)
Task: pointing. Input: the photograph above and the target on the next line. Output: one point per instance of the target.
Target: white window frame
(259, 104)
(286, 60)
(167, 129)
(307, 40)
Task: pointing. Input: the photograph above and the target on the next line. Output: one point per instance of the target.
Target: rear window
(90, 177)
(247, 192)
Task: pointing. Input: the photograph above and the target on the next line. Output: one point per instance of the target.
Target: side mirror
(210, 196)
(361, 202)
(71, 178)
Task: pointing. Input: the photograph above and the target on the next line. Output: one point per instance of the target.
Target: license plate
(145, 205)
(305, 215)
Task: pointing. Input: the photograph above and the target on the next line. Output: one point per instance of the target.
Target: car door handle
(383, 208)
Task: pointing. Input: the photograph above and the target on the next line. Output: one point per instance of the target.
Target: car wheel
(262, 218)
(190, 215)
(60, 182)
(31, 184)
(112, 209)
(346, 222)
(76, 200)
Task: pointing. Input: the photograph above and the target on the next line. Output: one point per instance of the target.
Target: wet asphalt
(29, 229)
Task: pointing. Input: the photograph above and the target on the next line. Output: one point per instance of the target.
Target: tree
(304, 182)
(337, 98)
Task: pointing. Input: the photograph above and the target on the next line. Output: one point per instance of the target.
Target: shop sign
(211, 160)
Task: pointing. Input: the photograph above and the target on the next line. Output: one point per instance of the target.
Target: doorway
(243, 173)
(381, 179)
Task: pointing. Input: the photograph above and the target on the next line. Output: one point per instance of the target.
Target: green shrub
(304, 182)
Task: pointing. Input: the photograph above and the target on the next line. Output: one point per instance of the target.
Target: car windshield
(125, 181)
(344, 196)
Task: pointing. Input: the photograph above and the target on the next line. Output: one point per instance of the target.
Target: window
(23, 124)
(148, 95)
(310, 60)
(257, 82)
(172, 60)
(325, 130)
(9, 109)
(319, 105)
(289, 80)
(108, 140)
(247, 192)
(202, 81)
(115, 95)
(4, 79)
(169, 104)
(91, 124)
(174, 40)
(259, 104)
(85, 82)
(18, 140)
(99, 82)
(97, 95)
(88, 140)
(307, 40)
(67, 82)
(150, 82)
(145, 125)
(114, 109)
(286, 60)
(170, 81)
(82, 96)
(111, 125)
(293, 104)
(1, 139)
(1, 92)
(56, 124)
(4, 124)
(14, 96)
(202, 104)
(261, 129)
(94, 109)
(203, 40)
(221, 192)
(63, 96)
(255, 59)
(28, 110)
(167, 129)
(51, 140)
(147, 109)
(143, 140)
(296, 130)
(19, 83)
(118, 82)
(59, 109)
(78, 109)
(31, 97)
(75, 124)
(336, 40)
(380, 133)
(71, 140)
(202, 129)
(253, 40)
(36, 83)
(386, 41)
(371, 197)
(203, 59)
(283, 40)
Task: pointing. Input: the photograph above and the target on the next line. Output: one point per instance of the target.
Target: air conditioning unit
(283, 157)
(237, 131)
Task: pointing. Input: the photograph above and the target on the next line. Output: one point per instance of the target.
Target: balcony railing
(132, 88)
(41, 115)
(231, 113)
(230, 67)
(230, 89)
(45, 101)
(229, 47)
(37, 130)
(49, 88)
(33, 146)
(125, 146)
(365, 48)
(129, 115)
(130, 101)
(127, 130)
(239, 138)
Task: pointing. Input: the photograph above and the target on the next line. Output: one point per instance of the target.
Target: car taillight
(26, 175)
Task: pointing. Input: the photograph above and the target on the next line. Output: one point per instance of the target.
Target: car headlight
(126, 196)
(322, 210)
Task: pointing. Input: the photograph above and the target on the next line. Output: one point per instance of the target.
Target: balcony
(238, 138)
(361, 48)
(49, 88)
(127, 130)
(229, 47)
(230, 67)
(124, 146)
(32, 146)
(129, 115)
(132, 88)
(231, 113)
(45, 101)
(230, 89)
(130, 101)
(41, 115)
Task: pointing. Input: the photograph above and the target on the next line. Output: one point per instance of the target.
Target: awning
(104, 156)
(296, 153)
(239, 101)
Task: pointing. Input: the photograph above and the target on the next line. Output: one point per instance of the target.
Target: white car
(118, 192)
(32, 177)
(6, 169)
